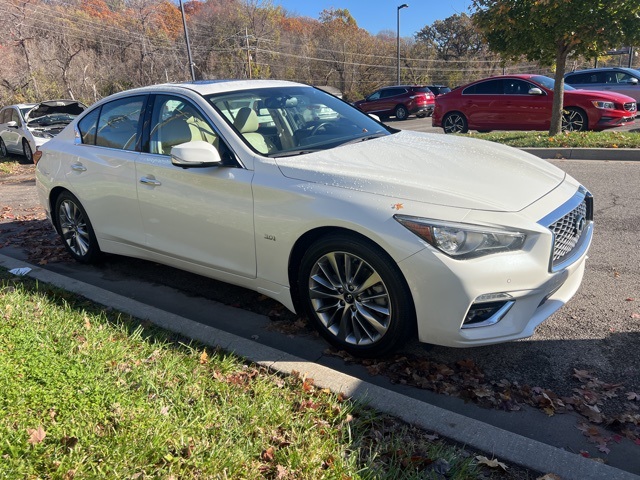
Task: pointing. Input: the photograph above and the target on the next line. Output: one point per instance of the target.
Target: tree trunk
(558, 91)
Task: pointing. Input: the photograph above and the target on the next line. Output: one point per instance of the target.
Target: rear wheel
(574, 120)
(26, 151)
(355, 295)
(3, 149)
(401, 112)
(76, 231)
(455, 122)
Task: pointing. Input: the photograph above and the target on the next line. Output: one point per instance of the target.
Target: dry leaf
(268, 454)
(36, 436)
(204, 357)
(549, 476)
(482, 460)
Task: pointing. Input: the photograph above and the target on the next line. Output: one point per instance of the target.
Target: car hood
(432, 168)
(598, 95)
(71, 107)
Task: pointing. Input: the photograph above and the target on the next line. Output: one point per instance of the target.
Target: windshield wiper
(365, 138)
(293, 153)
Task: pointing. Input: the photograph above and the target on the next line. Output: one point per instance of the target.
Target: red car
(523, 102)
(399, 101)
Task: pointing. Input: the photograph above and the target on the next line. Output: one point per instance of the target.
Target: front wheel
(401, 112)
(3, 149)
(76, 231)
(356, 296)
(455, 122)
(574, 120)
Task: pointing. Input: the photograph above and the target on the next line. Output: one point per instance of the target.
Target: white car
(26, 126)
(377, 235)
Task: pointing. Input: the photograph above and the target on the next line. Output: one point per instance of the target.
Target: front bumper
(521, 288)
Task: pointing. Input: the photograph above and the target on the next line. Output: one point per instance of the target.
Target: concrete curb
(501, 444)
(620, 154)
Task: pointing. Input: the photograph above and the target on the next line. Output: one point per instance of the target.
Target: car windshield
(548, 83)
(53, 119)
(295, 120)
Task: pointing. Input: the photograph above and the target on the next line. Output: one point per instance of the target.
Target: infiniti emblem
(580, 224)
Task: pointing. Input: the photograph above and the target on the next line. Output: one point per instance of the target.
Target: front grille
(630, 106)
(569, 230)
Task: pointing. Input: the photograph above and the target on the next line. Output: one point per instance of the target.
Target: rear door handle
(78, 167)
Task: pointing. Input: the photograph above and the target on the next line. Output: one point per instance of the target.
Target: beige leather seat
(174, 132)
(246, 122)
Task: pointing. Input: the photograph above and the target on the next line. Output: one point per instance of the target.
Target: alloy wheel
(73, 227)
(350, 298)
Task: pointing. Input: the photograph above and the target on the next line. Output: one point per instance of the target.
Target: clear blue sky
(378, 15)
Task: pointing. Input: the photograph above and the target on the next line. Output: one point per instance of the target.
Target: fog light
(485, 312)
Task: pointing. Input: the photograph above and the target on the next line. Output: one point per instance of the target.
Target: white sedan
(377, 235)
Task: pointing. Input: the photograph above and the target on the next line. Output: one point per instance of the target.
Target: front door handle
(152, 182)
(78, 167)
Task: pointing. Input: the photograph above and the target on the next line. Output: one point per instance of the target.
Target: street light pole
(400, 7)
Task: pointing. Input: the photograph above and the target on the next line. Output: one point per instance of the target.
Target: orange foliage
(169, 19)
(96, 9)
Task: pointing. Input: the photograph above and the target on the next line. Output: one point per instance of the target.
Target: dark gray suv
(613, 79)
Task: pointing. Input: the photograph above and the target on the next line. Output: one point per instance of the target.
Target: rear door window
(119, 123)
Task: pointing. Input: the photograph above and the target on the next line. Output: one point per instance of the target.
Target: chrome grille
(568, 230)
(630, 106)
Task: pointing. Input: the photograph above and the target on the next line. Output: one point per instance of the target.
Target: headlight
(462, 240)
(604, 105)
(41, 134)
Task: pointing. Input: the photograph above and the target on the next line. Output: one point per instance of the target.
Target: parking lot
(597, 334)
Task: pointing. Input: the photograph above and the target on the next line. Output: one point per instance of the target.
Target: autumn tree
(547, 31)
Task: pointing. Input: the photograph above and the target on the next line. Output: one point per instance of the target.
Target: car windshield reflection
(289, 121)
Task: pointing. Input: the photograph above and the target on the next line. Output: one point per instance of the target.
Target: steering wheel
(318, 127)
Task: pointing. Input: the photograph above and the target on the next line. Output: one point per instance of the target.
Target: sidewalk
(504, 445)
(620, 154)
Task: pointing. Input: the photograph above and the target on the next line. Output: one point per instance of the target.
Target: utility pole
(246, 36)
(186, 38)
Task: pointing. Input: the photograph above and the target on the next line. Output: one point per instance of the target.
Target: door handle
(78, 167)
(152, 182)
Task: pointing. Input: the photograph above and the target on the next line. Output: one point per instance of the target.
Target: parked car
(399, 101)
(438, 89)
(524, 102)
(24, 127)
(378, 235)
(611, 79)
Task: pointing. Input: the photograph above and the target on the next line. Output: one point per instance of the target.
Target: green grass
(608, 139)
(120, 398)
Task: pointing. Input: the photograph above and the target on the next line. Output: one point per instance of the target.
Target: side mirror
(633, 81)
(12, 124)
(198, 154)
(535, 91)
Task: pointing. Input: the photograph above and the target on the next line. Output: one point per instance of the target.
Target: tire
(574, 120)
(3, 149)
(455, 122)
(401, 112)
(369, 314)
(26, 151)
(73, 225)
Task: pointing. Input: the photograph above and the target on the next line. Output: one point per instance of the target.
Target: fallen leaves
(36, 435)
(493, 463)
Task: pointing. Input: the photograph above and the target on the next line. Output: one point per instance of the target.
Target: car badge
(580, 223)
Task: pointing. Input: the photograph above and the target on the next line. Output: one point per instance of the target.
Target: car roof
(207, 87)
(606, 69)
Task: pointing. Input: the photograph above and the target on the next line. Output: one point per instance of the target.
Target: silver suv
(614, 79)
